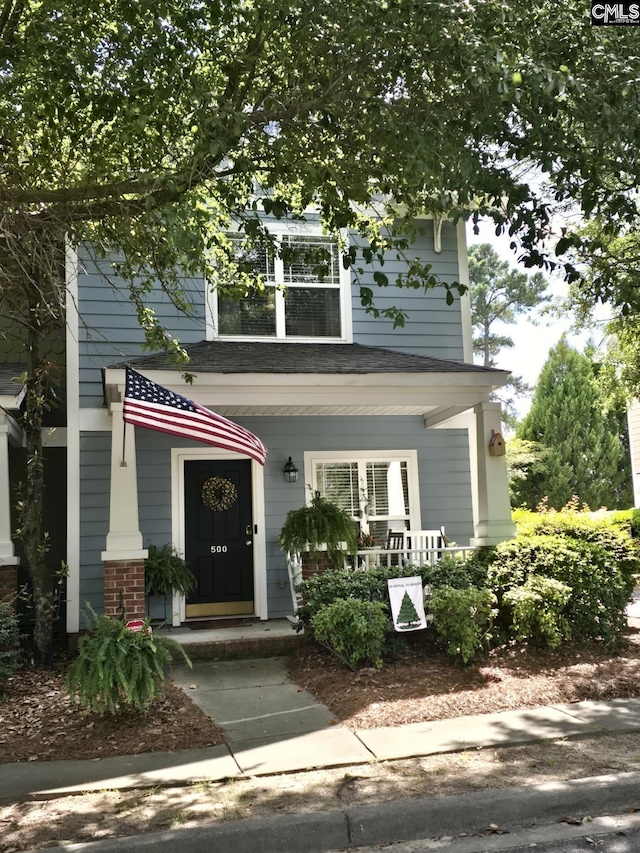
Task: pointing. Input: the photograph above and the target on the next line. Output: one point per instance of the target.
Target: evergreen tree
(407, 615)
(499, 294)
(586, 454)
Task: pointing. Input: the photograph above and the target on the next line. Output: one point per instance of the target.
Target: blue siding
(432, 328)
(442, 501)
(95, 478)
(109, 330)
(110, 333)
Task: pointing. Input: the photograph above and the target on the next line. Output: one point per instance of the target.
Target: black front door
(219, 537)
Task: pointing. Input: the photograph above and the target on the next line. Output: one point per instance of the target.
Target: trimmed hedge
(353, 630)
(464, 619)
(606, 530)
(599, 588)
(537, 611)
(322, 589)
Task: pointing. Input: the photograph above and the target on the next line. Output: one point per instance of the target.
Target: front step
(256, 639)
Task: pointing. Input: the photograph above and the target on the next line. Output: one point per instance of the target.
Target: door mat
(209, 624)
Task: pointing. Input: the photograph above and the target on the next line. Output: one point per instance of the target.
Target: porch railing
(388, 557)
(372, 557)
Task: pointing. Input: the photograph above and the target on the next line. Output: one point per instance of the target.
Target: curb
(511, 808)
(405, 820)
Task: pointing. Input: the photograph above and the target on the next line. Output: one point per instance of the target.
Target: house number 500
(218, 549)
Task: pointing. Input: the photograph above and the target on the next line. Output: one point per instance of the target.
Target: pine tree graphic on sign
(407, 615)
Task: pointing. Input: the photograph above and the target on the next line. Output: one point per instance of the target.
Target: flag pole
(123, 463)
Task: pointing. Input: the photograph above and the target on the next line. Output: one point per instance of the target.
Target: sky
(532, 343)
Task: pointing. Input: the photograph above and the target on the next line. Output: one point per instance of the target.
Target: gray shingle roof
(271, 357)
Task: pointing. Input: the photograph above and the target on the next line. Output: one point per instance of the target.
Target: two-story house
(393, 424)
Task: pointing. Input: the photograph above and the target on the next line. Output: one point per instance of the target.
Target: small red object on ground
(137, 626)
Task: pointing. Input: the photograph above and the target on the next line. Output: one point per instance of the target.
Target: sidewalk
(273, 727)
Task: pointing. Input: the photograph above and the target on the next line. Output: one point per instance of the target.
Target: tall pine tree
(499, 294)
(586, 452)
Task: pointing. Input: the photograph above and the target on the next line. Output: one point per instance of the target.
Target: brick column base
(315, 565)
(9, 584)
(124, 587)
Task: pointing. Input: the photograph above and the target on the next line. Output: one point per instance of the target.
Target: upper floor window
(306, 293)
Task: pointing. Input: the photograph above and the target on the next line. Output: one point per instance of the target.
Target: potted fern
(165, 572)
(322, 526)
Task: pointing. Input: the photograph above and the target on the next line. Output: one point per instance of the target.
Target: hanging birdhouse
(497, 444)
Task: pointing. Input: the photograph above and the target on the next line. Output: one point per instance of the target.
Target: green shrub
(9, 644)
(165, 571)
(537, 611)
(353, 630)
(452, 571)
(602, 529)
(117, 668)
(599, 588)
(324, 588)
(371, 584)
(463, 619)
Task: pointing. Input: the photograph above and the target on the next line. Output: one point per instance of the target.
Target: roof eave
(392, 392)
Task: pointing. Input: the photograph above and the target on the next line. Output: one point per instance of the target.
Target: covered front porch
(271, 384)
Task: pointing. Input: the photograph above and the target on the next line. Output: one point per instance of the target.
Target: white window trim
(280, 230)
(312, 457)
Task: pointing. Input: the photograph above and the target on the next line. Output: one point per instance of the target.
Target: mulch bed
(38, 722)
(423, 684)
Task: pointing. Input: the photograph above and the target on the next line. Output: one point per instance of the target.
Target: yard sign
(407, 604)
(138, 626)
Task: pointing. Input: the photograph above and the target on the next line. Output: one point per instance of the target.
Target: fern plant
(117, 668)
(165, 572)
(322, 523)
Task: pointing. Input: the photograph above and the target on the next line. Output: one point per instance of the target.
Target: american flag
(154, 407)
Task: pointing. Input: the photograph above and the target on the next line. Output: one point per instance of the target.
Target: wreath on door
(219, 494)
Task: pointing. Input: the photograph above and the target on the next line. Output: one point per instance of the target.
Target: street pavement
(437, 823)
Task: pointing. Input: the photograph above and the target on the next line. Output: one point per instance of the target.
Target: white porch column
(124, 540)
(124, 556)
(8, 429)
(491, 506)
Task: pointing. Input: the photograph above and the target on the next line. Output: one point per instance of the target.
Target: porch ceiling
(316, 379)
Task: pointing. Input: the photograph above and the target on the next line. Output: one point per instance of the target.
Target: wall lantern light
(290, 472)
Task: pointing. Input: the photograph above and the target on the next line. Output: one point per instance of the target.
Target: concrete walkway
(274, 727)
